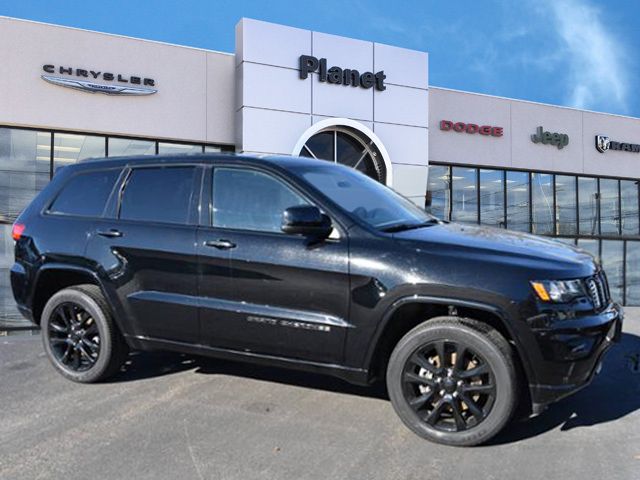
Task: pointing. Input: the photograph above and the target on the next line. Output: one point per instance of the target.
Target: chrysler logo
(602, 143)
(91, 81)
(92, 87)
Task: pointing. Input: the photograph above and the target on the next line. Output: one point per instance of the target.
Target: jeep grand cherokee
(306, 264)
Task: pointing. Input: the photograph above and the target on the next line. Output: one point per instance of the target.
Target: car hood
(493, 245)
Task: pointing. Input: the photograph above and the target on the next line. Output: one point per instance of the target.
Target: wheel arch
(421, 308)
(53, 277)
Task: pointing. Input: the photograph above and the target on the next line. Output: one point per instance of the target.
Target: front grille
(598, 289)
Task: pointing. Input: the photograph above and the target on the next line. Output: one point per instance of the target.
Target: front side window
(162, 194)
(85, 194)
(250, 200)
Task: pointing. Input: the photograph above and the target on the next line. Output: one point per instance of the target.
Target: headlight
(558, 291)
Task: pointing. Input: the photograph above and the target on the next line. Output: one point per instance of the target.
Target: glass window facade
(492, 197)
(609, 207)
(122, 147)
(629, 207)
(464, 194)
(177, 148)
(612, 258)
(542, 202)
(588, 206)
(438, 190)
(599, 215)
(28, 159)
(518, 201)
(70, 147)
(632, 273)
(566, 216)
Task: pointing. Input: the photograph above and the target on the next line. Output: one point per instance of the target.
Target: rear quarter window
(85, 194)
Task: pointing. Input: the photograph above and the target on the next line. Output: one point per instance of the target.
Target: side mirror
(306, 220)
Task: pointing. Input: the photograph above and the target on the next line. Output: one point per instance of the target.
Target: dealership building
(68, 94)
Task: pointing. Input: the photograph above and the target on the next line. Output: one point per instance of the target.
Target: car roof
(201, 158)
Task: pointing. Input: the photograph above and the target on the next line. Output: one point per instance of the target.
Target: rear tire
(453, 381)
(80, 336)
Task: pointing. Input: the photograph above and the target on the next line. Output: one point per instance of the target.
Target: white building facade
(70, 94)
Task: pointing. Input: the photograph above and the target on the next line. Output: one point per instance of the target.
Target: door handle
(220, 244)
(112, 233)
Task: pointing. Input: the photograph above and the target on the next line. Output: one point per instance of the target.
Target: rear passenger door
(146, 250)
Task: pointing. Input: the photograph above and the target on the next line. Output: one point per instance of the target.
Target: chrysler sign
(92, 81)
(604, 143)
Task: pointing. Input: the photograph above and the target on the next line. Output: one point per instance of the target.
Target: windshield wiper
(399, 227)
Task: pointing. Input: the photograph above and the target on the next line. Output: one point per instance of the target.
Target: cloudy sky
(578, 53)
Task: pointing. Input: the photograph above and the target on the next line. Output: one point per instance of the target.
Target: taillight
(16, 232)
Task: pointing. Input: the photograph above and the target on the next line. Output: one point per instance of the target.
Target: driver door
(286, 295)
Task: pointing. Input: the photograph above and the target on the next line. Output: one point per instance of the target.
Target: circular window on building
(348, 147)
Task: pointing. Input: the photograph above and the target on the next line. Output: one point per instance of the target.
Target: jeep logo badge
(560, 140)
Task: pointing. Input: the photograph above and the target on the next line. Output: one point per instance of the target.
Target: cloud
(594, 57)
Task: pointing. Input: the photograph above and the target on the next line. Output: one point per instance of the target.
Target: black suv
(301, 263)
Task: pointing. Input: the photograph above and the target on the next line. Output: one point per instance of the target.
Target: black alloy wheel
(449, 385)
(74, 337)
(80, 336)
(453, 381)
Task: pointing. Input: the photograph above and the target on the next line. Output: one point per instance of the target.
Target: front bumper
(572, 353)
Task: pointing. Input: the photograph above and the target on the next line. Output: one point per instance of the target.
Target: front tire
(453, 381)
(79, 335)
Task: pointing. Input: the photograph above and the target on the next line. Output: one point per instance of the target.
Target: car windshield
(370, 201)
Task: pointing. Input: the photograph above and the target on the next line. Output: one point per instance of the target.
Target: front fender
(506, 315)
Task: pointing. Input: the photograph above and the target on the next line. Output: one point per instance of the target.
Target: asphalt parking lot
(173, 416)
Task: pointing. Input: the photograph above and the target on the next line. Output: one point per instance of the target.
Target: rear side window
(85, 194)
(158, 194)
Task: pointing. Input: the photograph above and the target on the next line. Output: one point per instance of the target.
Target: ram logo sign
(602, 143)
